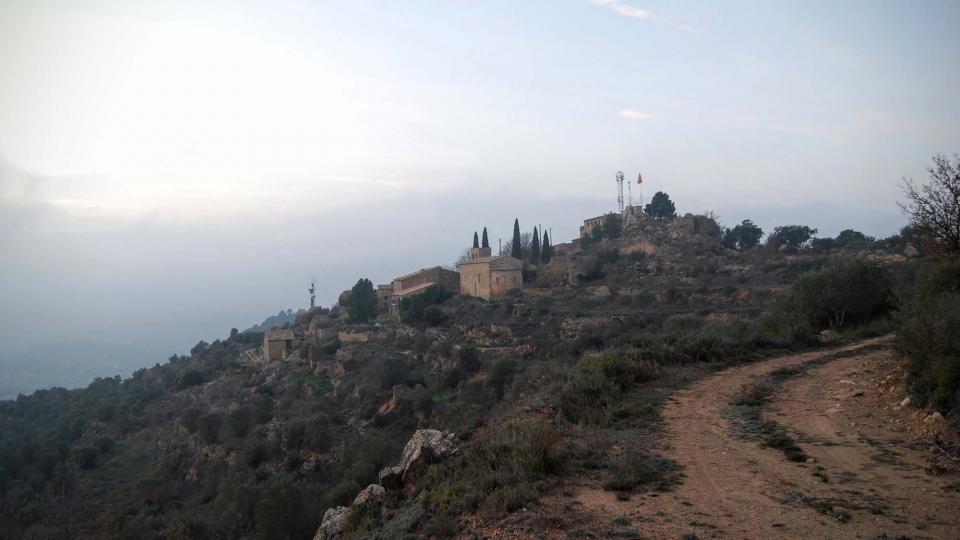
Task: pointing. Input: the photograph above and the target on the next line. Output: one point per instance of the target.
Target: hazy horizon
(169, 170)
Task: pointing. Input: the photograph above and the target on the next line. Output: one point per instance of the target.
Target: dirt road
(864, 478)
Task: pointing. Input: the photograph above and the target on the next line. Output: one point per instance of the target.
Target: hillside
(564, 379)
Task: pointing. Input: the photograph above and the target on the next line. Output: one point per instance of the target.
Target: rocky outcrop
(372, 494)
(425, 447)
(333, 524)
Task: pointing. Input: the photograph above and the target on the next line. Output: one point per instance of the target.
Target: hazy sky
(171, 169)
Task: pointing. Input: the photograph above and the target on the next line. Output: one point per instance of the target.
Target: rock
(599, 292)
(905, 402)
(934, 418)
(333, 524)
(391, 477)
(910, 252)
(425, 447)
(858, 393)
(826, 335)
(373, 493)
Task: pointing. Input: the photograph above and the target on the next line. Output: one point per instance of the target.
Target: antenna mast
(313, 290)
(620, 190)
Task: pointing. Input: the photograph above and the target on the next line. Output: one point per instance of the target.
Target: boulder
(391, 477)
(373, 494)
(333, 523)
(910, 252)
(427, 446)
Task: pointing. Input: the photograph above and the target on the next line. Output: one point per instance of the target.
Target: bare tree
(525, 239)
(934, 207)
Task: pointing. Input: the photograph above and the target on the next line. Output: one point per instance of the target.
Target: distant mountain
(70, 364)
(281, 319)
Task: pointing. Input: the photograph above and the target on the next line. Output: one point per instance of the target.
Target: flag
(639, 178)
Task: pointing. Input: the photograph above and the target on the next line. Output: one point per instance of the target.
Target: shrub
(85, 457)
(846, 293)
(501, 375)
(635, 470)
(927, 330)
(190, 378)
(499, 473)
(238, 422)
(422, 309)
(209, 428)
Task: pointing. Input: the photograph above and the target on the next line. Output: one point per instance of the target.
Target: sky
(169, 170)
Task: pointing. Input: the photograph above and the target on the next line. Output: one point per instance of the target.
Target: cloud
(634, 114)
(624, 9)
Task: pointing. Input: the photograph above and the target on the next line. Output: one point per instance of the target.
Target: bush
(85, 457)
(927, 330)
(238, 422)
(422, 309)
(597, 385)
(498, 474)
(847, 293)
(190, 378)
(501, 375)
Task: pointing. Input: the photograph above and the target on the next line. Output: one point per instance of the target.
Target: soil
(872, 471)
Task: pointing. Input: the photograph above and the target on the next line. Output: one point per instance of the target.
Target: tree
(612, 226)
(792, 236)
(476, 240)
(546, 250)
(485, 243)
(853, 239)
(535, 248)
(516, 247)
(362, 305)
(934, 208)
(742, 237)
(661, 207)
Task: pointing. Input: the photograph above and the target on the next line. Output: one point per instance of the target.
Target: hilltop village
(481, 274)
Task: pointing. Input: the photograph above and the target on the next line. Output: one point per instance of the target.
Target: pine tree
(476, 241)
(516, 250)
(535, 248)
(486, 242)
(661, 207)
(546, 250)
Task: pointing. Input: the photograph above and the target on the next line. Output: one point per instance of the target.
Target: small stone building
(277, 343)
(489, 277)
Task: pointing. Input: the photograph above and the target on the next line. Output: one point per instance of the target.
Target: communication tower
(313, 291)
(620, 190)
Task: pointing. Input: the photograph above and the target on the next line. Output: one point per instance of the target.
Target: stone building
(423, 279)
(384, 295)
(590, 224)
(277, 343)
(489, 277)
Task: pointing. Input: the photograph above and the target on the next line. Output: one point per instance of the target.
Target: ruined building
(278, 343)
(489, 277)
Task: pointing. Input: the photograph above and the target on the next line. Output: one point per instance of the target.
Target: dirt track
(865, 478)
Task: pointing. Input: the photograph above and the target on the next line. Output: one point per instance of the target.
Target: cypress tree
(516, 250)
(476, 242)
(546, 250)
(535, 247)
(486, 242)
